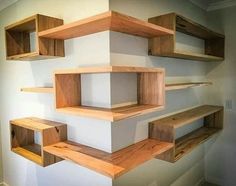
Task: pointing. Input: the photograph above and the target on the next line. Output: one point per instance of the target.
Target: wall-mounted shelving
(48, 90)
(178, 86)
(23, 132)
(164, 130)
(110, 20)
(166, 45)
(109, 164)
(151, 92)
(23, 43)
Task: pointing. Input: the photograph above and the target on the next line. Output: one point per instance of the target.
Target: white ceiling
(210, 5)
(6, 3)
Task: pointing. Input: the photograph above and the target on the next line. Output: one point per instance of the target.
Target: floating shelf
(19, 39)
(38, 89)
(151, 92)
(178, 86)
(166, 45)
(109, 164)
(110, 20)
(164, 130)
(23, 133)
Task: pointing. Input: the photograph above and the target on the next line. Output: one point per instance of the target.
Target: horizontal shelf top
(188, 142)
(178, 86)
(114, 164)
(114, 114)
(109, 69)
(189, 116)
(38, 89)
(36, 124)
(106, 21)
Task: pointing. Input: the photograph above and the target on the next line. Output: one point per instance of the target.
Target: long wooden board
(178, 86)
(109, 164)
(38, 89)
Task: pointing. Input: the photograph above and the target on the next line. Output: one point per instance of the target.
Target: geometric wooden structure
(21, 46)
(110, 20)
(109, 164)
(23, 138)
(151, 92)
(164, 130)
(166, 45)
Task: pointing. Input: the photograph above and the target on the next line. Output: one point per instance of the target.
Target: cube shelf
(166, 45)
(23, 134)
(151, 92)
(23, 43)
(164, 130)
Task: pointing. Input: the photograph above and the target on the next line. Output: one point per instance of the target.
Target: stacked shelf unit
(164, 130)
(166, 45)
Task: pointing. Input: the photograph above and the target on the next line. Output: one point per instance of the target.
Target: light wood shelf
(110, 20)
(151, 92)
(164, 129)
(19, 43)
(109, 164)
(178, 86)
(23, 143)
(38, 89)
(166, 45)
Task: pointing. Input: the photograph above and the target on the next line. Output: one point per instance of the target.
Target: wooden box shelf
(151, 92)
(164, 130)
(109, 164)
(166, 45)
(20, 44)
(110, 20)
(23, 138)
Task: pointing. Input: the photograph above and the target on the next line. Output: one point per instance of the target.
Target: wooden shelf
(23, 141)
(38, 89)
(110, 164)
(178, 86)
(110, 20)
(151, 92)
(188, 142)
(19, 39)
(113, 114)
(164, 129)
(166, 45)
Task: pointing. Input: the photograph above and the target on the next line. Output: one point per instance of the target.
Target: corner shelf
(166, 45)
(151, 92)
(178, 86)
(19, 42)
(109, 164)
(164, 130)
(23, 133)
(110, 20)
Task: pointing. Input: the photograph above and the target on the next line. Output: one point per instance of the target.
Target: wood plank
(188, 142)
(35, 124)
(189, 116)
(114, 164)
(106, 21)
(178, 86)
(111, 114)
(38, 89)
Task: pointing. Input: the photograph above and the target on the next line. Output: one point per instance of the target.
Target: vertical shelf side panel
(67, 90)
(49, 47)
(215, 47)
(215, 120)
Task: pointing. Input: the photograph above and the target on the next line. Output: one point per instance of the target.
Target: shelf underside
(114, 164)
(114, 114)
(183, 118)
(106, 21)
(188, 142)
(31, 152)
(178, 86)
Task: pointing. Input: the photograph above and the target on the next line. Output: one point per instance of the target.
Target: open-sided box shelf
(23, 43)
(164, 130)
(150, 91)
(24, 132)
(166, 45)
